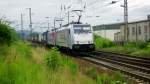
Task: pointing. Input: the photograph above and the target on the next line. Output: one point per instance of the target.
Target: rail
(124, 64)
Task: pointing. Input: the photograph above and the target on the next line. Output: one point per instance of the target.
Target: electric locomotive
(74, 36)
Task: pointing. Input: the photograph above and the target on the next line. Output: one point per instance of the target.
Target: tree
(7, 35)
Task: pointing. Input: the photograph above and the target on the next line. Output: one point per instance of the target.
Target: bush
(138, 49)
(7, 35)
(139, 45)
(102, 43)
(148, 46)
(53, 59)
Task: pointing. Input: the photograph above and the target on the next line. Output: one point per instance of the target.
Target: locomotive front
(83, 37)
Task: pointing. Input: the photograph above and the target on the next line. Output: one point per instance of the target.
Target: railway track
(126, 55)
(136, 67)
(123, 58)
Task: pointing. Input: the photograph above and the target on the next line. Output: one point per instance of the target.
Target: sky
(108, 13)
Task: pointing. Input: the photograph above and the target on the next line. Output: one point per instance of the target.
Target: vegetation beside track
(136, 49)
(23, 64)
(105, 77)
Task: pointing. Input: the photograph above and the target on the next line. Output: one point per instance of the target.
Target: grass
(18, 68)
(136, 49)
(106, 78)
(22, 64)
(26, 65)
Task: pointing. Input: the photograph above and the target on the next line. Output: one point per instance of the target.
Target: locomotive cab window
(82, 29)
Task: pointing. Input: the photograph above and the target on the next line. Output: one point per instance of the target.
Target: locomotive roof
(75, 25)
(71, 24)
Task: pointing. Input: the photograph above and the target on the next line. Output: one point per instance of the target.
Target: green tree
(7, 34)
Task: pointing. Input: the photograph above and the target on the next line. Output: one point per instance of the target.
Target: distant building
(107, 30)
(137, 31)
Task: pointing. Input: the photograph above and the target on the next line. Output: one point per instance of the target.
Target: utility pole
(104, 30)
(22, 35)
(55, 32)
(48, 26)
(149, 26)
(68, 16)
(54, 23)
(126, 20)
(30, 20)
(48, 22)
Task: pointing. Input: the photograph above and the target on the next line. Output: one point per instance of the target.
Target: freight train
(74, 36)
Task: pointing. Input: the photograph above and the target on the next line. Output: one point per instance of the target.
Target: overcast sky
(138, 10)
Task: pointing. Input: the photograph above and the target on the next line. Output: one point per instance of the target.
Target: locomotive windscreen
(82, 29)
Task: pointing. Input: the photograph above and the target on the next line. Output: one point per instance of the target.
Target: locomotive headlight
(91, 46)
(77, 47)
